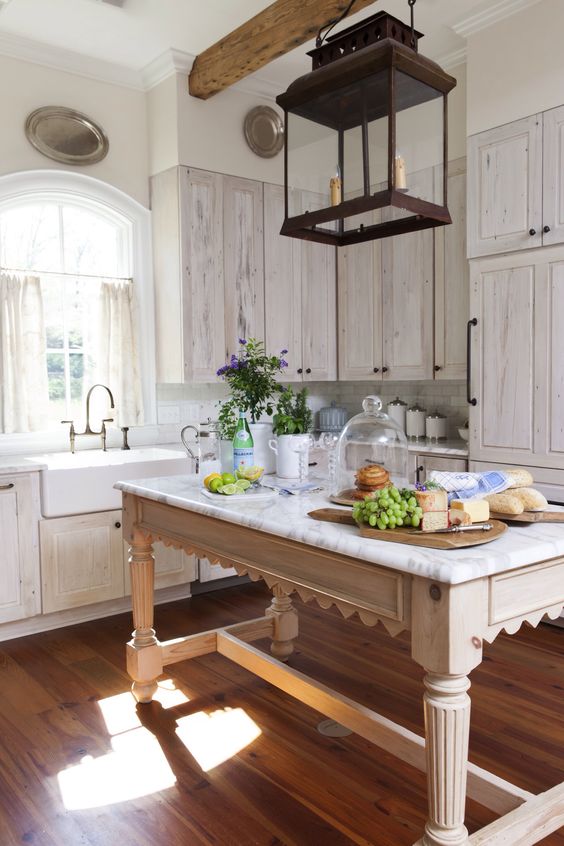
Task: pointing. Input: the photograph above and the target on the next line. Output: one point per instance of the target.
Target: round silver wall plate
(330, 728)
(264, 131)
(66, 136)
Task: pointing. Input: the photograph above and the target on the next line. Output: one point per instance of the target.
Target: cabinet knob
(437, 367)
(546, 228)
(300, 370)
(376, 370)
(532, 232)
(7, 487)
(384, 370)
(308, 369)
(117, 524)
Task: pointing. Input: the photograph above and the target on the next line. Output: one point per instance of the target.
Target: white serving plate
(251, 495)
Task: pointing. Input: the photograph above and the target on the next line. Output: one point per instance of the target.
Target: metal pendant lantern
(365, 149)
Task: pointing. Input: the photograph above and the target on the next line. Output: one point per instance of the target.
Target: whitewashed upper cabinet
(452, 284)
(187, 214)
(517, 364)
(20, 591)
(505, 188)
(300, 297)
(553, 179)
(243, 260)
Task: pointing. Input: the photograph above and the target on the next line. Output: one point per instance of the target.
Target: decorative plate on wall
(66, 136)
(264, 131)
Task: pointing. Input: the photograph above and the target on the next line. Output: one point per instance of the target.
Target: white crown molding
(494, 13)
(69, 61)
(452, 59)
(163, 66)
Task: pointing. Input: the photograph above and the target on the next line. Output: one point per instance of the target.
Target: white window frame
(79, 189)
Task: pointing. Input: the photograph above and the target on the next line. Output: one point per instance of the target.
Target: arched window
(89, 247)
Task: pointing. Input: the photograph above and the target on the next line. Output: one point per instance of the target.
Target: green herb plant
(250, 375)
(293, 415)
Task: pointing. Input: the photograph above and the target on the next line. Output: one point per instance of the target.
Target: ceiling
(133, 36)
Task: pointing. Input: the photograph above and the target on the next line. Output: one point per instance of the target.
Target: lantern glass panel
(419, 139)
(313, 153)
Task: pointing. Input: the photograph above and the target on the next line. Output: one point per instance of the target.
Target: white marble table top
(286, 516)
(19, 464)
(454, 447)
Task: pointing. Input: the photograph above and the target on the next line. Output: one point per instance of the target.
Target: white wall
(457, 114)
(516, 67)
(120, 111)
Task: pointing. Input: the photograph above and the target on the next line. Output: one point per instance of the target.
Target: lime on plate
(228, 478)
(215, 484)
(228, 490)
(243, 485)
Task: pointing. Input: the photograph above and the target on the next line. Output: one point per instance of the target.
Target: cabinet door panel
(212, 572)
(503, 358)
(505, 188)
(319, 307)
(553, 176)
(19, 550)
(172, 567)
(282, 286)
(452, 285)
(243, 261)
(201, 216)
(81, 560)
(360, 308)
(550, 352)
(407, 274)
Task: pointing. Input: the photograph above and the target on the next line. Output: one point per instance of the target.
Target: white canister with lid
(415, 422)
(436, 426)
(332, 418)
(396, 410)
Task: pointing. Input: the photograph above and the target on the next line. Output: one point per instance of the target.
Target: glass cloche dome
(371, 451)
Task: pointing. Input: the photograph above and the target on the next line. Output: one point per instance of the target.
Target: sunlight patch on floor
(120, 712)
(136, 767)
(216, 737)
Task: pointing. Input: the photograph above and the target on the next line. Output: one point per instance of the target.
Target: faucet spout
(89, 430)
(195, 458)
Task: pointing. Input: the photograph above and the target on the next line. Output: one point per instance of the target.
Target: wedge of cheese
(433, 520)
(478, 509)
(434, 500)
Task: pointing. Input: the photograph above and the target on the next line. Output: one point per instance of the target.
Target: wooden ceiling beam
(279, 28)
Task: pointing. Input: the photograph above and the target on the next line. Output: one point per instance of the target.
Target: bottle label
(242, 458)
(242, 435)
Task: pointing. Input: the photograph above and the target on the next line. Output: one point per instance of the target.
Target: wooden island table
(451, 601)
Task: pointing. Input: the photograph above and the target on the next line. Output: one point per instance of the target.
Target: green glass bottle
(243, 446)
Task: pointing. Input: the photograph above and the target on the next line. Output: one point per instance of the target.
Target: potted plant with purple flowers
(251, 376)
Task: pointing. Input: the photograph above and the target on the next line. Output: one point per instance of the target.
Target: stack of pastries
(370, 478)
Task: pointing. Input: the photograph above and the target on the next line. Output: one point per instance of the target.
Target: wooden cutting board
(414, 537)
(553, 514)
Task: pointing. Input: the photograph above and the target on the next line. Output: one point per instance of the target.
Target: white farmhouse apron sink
(84, 482)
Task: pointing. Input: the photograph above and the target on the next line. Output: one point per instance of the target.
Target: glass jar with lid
(371, 453)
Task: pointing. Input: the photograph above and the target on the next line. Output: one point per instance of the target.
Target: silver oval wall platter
(66, 136)
(264, 131)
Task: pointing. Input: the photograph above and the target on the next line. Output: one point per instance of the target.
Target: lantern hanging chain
(331, 25)
(411, 4)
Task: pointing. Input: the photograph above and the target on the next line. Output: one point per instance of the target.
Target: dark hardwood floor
(222, 759)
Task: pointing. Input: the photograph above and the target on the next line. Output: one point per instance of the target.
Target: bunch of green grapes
(389, 508)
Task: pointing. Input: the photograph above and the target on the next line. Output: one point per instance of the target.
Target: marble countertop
(286, 516)
(19, 464)
(452, 446)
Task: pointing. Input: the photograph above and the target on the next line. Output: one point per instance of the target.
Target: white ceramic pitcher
(287, 459)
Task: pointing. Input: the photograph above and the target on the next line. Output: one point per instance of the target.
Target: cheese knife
(484, 527)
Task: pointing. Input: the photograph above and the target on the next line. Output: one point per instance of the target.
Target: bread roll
(521, 478)
(532, 500)
(505, 503)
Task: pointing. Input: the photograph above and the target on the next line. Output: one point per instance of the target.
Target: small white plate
(250, 495)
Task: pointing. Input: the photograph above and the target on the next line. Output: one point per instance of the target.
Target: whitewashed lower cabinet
(84, 560)
(19, 553)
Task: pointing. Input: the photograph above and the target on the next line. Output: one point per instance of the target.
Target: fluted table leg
(285, 624)
(144, 660)
(447, 729)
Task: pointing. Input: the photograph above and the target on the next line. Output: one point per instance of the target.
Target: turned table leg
(285, 624)
(144, 660)
(447, 729)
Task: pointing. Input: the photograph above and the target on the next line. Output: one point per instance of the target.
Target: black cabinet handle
(384, 370)
(417, 472)
(437, 367)
(474, 322)
(376, 370)
(300, 370)
(532, 232)
(308, 369)
(117, 525)
(546, 229)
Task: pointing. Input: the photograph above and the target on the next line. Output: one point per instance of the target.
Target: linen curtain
(116, 351)
(23, 365)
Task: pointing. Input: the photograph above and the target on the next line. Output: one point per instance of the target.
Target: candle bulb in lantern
(335, 187)
(400, 173)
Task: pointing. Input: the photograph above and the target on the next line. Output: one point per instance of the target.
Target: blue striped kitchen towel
(471, 485)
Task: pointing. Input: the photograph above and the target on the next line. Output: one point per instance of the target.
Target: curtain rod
(56, 273)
